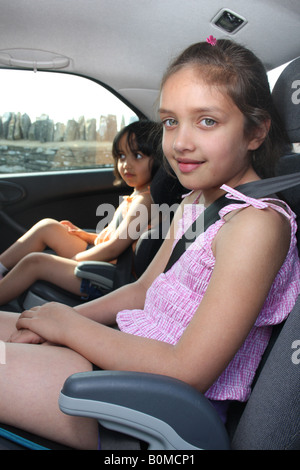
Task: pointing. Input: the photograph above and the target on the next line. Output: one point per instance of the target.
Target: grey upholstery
(271, 419)
(162, 411)
(286, 96)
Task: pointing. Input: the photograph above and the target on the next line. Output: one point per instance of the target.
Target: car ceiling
(127, 44)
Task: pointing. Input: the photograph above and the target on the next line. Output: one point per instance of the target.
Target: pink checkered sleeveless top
(174, 296)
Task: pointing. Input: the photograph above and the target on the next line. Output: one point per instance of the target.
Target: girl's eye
(167, 123)
(208, 122)
(122, 156)
(138, 156)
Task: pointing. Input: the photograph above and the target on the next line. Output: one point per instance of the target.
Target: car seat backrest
(286, 97)
(271, 418)
(291, 164)
(165, 187)
(166, 192)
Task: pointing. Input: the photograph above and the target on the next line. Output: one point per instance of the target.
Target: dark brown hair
(244, 78)
(141, 136)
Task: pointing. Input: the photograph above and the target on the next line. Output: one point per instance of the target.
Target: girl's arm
(249, 251)
(105, 309)
(129, 230)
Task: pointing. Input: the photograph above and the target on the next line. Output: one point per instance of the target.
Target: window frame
(76, 167)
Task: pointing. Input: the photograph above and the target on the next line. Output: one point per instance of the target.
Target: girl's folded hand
(25, 336)
(45, 323)
(70, 227)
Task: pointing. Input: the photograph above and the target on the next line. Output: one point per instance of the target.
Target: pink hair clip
(211, 40)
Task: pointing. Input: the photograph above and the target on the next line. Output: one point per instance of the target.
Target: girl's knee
(33, 260)
(46, 230)
(47, 223)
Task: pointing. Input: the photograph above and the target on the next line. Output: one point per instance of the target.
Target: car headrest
(165, 187)
(286, 97)
(287, 165)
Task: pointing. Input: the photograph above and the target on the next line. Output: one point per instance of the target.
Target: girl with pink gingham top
(208, 319)
(174, 297)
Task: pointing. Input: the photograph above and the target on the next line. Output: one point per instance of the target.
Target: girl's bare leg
(7, 324)
(39, 266)
(30, 383)
(46, 233)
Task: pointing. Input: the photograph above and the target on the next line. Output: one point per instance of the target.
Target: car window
(274, 74)
(56, 121)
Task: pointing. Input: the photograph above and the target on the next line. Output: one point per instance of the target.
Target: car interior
(124, 48)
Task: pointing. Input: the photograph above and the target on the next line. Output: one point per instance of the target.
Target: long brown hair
(244, 78)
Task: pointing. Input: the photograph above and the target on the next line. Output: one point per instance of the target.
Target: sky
(63, 96)
(60, 96)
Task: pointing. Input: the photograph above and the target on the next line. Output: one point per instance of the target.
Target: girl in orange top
(137, 156)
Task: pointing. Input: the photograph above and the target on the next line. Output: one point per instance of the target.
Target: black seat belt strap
(255, 189)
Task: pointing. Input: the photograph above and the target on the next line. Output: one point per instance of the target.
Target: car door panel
(26, 199)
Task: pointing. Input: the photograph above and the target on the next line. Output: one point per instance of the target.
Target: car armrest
(165, 412)
(98, 272)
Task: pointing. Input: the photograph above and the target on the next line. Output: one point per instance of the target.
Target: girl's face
(133, 166)
(203, 138)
